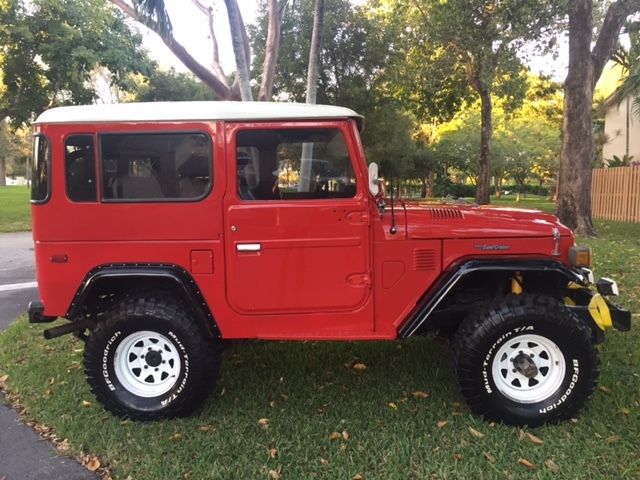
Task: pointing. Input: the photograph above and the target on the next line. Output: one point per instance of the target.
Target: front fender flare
(443, 286)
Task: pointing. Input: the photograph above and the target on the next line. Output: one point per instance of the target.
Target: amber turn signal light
(581, 256)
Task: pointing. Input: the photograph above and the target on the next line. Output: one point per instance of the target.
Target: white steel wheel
(528, 368)
(147, 364)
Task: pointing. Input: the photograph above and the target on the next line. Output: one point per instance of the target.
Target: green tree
(526, 140)
(354, 54)
(481, 40)
(629, 60)
(15, 148)
(170, 85)
(50, 48)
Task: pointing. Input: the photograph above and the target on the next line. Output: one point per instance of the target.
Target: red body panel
(325, 269)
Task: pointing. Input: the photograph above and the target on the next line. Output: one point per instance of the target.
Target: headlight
(581, 256)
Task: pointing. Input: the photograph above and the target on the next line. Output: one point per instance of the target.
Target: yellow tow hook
(599, 311)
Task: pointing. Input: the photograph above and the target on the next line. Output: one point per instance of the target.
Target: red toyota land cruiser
(163, 229)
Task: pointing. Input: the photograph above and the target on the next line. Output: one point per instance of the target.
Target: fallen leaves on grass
(357, 476)
(273, 452)
(275, 474)
(476, 433)
(420, 394)
(551, 465)
(359, 367)
(207, 428)
(85, 403)
(604, 390)
(534, 439)
(613, 438)
(345, 435)
(442, 423)
(3, 379)
(335, 436)
(263, 422)
(176, 437)
(490, 458)
(93, 464)
(526, 463)
(393, 406)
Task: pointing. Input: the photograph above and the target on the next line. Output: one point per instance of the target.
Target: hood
(453, 221)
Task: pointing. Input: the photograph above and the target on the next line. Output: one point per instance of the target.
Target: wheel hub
(153, 358)
(525, 366)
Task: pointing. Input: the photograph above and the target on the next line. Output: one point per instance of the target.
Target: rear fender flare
(169, 273)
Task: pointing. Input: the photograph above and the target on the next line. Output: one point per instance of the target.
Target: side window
(80, 168)
(156, 166)
(40, 177)
(293, 164)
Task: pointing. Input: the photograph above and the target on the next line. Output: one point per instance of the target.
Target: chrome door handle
(248, 247)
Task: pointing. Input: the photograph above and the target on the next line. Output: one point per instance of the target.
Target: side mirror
(374, 181)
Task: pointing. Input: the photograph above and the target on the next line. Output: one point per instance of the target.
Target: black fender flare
(443, 286)
(174, 274)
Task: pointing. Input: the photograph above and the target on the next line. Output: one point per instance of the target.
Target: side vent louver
(424, 259)
(445, 213)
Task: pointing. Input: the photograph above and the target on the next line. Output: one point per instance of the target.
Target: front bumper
(589, 302)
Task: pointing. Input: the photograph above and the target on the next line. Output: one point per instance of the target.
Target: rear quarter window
(41, 173)
(80, 168)
(156, 166)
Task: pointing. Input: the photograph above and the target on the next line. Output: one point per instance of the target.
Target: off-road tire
(497, 329)
(172, 321)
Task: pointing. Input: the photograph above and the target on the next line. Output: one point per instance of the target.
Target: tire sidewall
(112, 337)
(579, 364)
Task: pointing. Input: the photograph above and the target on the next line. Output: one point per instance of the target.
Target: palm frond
(154, 12)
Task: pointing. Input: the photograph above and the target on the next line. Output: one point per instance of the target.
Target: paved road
(23, 455)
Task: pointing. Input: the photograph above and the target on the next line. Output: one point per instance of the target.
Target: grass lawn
(15, 209)
(307, 393)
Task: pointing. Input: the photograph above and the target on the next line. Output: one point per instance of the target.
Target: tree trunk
(314, 53)
(270, 52)
(578, 147)
(313, 73)
(237, 39)
(3, 171)
(498, 187)
(486, 135)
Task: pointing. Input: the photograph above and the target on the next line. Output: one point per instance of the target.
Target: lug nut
(532, 355)
(146, 366)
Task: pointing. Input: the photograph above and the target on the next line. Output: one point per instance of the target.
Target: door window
(293, 164)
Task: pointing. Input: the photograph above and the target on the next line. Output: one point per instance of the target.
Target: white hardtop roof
(192, 111)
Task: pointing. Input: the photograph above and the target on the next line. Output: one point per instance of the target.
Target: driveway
(23, 454)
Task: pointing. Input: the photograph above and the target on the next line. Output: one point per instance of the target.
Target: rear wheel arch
(108, 284)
